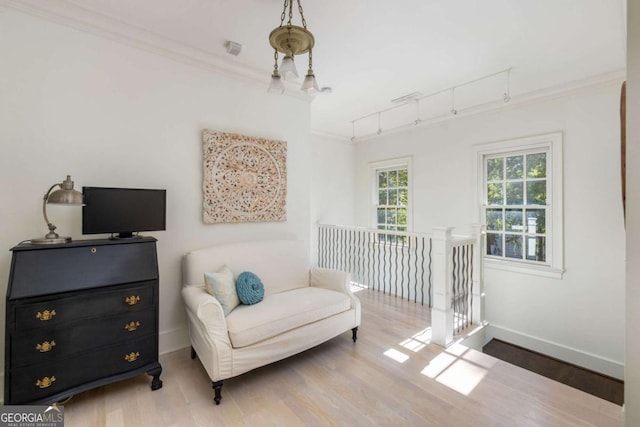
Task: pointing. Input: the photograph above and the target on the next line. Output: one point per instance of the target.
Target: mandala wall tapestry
(245, 178)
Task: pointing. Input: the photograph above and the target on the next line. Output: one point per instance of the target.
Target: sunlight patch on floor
(357, 287)
(396, 355)
(418, 341)
(459, 368)
(462, 376)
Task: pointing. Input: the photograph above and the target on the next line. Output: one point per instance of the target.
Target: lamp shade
(276, 85)
(310, 84)
(288, 67)
(65, 197)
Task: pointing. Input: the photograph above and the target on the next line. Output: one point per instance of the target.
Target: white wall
(333, 180)
(113, 115)
(332, 184)
(579, 318)
(632, 368)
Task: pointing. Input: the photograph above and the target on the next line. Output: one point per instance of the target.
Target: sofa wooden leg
(354, 334)
(193, 353)
(217, 389)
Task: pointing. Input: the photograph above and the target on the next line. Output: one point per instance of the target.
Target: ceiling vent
(233, 48)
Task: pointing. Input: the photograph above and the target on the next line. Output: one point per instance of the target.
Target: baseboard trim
(173, 339)
(562, 352)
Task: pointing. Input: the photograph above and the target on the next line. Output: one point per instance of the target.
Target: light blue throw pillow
(222, 286)
(249, 288)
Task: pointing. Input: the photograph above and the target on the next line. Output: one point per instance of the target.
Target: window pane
(514, 193)
(402, 216)
(513, 220)
(381, 216)
(515, 167)
(403, 196)
(382, 237)
(494, 169)
(494, 219)
(536, 248)
(537, 192)
(494, 194)
(393, 178)
(403, 179)
(536, 221)
(537, 165)
(391, 216)
(382, 197)
(494, 244)
(382, 180)
(393, 197)
(513, 246)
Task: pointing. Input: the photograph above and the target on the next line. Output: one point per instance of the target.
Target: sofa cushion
(249, 288)
(282, 312)
(221, 285)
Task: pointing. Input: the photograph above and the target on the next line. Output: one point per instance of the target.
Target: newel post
(477, 314)
(442, 311)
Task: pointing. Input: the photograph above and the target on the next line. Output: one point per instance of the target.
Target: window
(516, 207)
(521, 203)
(391, 196)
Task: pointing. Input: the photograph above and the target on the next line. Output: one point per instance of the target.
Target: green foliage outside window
(392, 202)
(516, 198)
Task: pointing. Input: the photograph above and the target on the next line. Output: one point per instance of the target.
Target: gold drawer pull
(132, 300)
(45, 346)
(132, 326)
(45, 382)
(46, 315)
(131, 356)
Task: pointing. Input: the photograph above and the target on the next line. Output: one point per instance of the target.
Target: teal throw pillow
(222, 286)
(249, 288)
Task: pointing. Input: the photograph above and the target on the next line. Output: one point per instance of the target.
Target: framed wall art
(244, 178)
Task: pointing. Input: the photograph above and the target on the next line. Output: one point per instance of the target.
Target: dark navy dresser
(80, 315)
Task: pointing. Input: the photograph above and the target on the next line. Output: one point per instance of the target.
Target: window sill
(522, 268)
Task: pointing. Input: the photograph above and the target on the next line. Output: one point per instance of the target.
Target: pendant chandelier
(291, 40)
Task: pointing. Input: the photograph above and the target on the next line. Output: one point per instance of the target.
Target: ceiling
(370, 52)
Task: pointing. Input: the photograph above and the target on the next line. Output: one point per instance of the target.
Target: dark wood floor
(588, 381)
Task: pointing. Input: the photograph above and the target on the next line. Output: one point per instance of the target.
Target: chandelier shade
(288, 67)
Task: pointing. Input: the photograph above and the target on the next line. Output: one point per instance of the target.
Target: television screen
(123, 211)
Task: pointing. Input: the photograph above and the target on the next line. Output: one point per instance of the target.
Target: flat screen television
(123, 211)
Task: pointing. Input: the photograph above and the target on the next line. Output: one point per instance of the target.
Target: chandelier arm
(304, 22)
(275, 57)
(310, 59)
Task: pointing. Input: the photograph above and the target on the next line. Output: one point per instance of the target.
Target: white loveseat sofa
(303, 306)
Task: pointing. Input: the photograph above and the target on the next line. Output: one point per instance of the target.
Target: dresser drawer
(58, 311)
(39, 381)
(46, 345)
(81, 267)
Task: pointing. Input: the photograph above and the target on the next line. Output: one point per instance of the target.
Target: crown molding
(331, 136)
(71, 15)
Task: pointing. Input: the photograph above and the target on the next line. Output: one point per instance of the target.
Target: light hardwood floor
(387, 378)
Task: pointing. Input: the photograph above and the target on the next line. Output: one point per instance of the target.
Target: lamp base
(50, 241)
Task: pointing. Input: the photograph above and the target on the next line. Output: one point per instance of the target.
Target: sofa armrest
(337, 281)
(330, 279)
(208, 311)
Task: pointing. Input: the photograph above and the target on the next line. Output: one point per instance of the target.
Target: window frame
(551, 143)
(380, 166)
